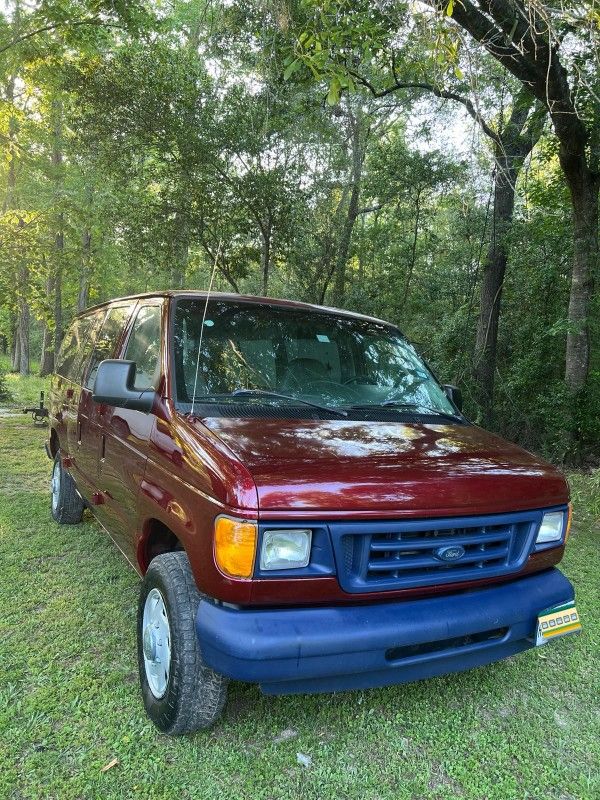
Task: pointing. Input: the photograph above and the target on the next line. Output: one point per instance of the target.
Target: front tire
(66, 505)
(180, 693)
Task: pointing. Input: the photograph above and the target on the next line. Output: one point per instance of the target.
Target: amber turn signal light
(235, 546)
(569, 518)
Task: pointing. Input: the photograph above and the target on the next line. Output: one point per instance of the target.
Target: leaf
(459, 73)
(450, 8)
(110, 765)
(333, 98)
(294, 66)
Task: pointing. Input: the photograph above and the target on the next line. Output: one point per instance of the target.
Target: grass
(585, 493)
(527, 727)
(23, 391)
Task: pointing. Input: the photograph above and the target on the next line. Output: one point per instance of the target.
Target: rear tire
(180, 693)
(65, 503)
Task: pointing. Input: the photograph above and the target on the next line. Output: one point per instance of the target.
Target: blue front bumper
(291, 650)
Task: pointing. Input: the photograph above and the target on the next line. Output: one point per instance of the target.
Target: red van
(307, 505)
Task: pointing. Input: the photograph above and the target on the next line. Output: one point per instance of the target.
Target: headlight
(285, 549)
(551, 529)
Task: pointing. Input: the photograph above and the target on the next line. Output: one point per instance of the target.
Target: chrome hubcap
(156, 643)
(55, 485)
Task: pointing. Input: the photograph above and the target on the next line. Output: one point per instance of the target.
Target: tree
(506, 113)
(512, 142)
(529, 42)
(137, 157)
(551, 52)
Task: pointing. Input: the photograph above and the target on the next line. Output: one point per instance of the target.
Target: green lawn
(69, 704)
(23, 391)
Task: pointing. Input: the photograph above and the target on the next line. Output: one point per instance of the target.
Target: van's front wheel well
(156, 539)
(54, 444)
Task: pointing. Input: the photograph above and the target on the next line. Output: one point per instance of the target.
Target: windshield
(308, 356)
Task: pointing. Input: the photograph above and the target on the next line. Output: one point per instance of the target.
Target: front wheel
(65, 503)
(180, 693)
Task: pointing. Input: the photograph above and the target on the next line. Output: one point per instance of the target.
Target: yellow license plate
(557, 621)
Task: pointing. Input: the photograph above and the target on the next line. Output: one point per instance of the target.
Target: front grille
(396, 555)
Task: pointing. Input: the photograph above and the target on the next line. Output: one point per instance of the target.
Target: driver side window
(144, 347)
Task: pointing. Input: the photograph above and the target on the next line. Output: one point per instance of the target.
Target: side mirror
(114, 384)
(454, 394)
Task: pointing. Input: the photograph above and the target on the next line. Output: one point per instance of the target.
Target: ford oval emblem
(452, 552)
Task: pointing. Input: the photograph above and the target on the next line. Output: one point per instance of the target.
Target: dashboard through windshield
(275, 355)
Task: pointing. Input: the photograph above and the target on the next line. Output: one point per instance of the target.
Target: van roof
(242, 298)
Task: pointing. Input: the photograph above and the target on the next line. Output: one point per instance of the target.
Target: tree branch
(539, 68)
(370, 209)
(488, 33)
(55, 26)
(442, 93)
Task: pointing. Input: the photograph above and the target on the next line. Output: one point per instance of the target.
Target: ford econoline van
(308, 506)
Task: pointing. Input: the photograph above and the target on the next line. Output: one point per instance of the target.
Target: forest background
(433, 164)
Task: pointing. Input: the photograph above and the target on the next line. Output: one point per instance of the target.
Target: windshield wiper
(266, 393)
(414, 406)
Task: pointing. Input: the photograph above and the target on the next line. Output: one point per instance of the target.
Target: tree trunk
(47, 356)
(583, 186)
(85, 276)
(83, 296)
(16, 348)
(328, 260)
(265, 256)
(413, 253)
(58, 317)
(218, 256)
(24, 341)
(511, 147)
(494, 269)
(59, 237)
(181, 252)
(357, 138)
(10, 201)
(11, 183)
(345, 242)
(24, 320)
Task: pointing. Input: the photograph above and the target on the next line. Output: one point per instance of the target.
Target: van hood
(341, 465)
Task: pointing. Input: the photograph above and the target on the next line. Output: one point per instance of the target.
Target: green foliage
(138, 149)
(349, 43)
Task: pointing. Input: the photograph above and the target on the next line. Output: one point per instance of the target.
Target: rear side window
(75, 347)
(144, 347)
(88, 346)
(107, 339)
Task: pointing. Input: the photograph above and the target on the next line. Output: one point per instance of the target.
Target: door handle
(78, 431)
